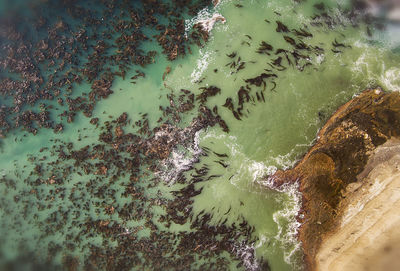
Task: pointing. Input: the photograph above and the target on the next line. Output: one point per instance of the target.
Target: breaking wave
(181, 160)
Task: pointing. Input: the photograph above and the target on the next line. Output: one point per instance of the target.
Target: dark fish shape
(277, 62)
(185, 91)
(273, 88)
(337, 44)
(262, 96)
(305, 65)
(241, 66)
(279, 51)
(236, 115)
(212, 177)
(290, 40)
(230, 207)
(207, 92)
(281, 27)
(266, 46)
(222, 164)
(302, 33)
(318, 49)
(258, 97)
(316, 24)
(259, 80)
(228, 103)
(243, 95)
(215, 110)
(302, 46)
(220, 155)
(231, 55)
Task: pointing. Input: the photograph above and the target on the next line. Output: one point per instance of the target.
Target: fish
(236, 115)
(220, 155)
(212, 177)
(228, 103)
(290, 40)
(222, 164)
(215, 110)
(279, 51)
(258, 97)
(230, 207)
(337, 44)
(274, 86)
(302, 33)
(241, 66)
(277, 62)
(232, 55)
(264, 48)
(302, 46)
(281, 27)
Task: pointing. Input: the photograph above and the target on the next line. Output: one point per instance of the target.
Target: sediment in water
(338, 162)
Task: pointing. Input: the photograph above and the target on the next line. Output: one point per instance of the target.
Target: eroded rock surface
(337, 162)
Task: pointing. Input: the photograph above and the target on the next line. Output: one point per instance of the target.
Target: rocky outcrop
(368, 235)
(339, 159)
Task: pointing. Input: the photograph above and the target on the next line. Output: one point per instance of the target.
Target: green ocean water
(273, 133)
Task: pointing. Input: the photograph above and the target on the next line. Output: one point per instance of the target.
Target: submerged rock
(333, 165)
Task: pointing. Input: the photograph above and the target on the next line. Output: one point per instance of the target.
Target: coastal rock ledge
(350, 185)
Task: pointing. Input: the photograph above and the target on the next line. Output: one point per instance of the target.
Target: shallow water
(278, 124)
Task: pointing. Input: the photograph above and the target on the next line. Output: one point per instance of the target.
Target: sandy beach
(368, 237)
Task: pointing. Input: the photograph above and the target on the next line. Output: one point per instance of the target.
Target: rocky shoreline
(368, 235)
(338, 164)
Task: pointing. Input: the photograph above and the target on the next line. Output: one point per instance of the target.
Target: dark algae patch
(59, 45)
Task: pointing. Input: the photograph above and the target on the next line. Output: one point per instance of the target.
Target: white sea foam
(246, 253)
(287, 223)
(202, 63)
(180, 160)
(391, 79)
(254, 170)
(203, 14)
(206, 17)
(367, 65)
(208, 24)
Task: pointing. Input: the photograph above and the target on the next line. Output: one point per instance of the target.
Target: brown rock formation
(338, 157)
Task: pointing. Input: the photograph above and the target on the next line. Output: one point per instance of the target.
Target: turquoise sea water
(73, 199)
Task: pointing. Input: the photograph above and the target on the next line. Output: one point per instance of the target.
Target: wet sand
(368, 236)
